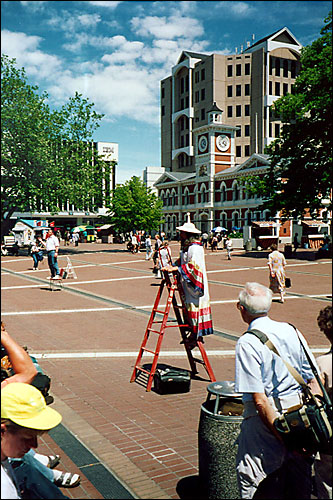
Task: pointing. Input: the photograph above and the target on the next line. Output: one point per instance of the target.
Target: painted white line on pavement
(78, 282)
(119, 308)
(128, 354)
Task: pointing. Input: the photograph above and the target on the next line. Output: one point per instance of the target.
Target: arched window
(163, 198)
(223, 219)
(223, 192)
(249, 217)
(235, 191)
(173, 197)
(203, 194)
(186, 196)
(235, 219)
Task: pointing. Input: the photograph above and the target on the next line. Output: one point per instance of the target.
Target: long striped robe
(194, 281)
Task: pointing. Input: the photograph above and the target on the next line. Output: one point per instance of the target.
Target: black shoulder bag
(307, 426)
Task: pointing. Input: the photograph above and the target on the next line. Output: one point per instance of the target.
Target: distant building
(68, 214)
(150, 175)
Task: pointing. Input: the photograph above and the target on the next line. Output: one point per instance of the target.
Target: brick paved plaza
(87, 336)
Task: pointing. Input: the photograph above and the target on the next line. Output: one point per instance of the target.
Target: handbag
(287, 282)
(308, 426)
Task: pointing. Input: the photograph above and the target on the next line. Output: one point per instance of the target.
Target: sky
(115, 53)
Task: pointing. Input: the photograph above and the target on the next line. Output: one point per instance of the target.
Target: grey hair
(256, 298)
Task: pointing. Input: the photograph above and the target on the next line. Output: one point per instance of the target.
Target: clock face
(222, 142)
(203, 143)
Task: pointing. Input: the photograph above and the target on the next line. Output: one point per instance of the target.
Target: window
(277, 66)
(247, 150)
(182, 85)
(270, 88)
(235, 192)
(247, 68)
(238, 69)
(293, 69)
(239, 110)
(182, 104)
(285, 88)
(162, 92)
(247, 110)
(229, 111)
(285, 68)
(203, 74)
(247, 130)
(277, 130)
(203, 94)
(239, 151)
(196, 96)
(239, 131)
(163, 110)
(196, 77)
(203, 113)
(238, 90)
(223, 193)
(229, 90)
(277, 88)
(247, 89)
(229, 70)
(186, 83)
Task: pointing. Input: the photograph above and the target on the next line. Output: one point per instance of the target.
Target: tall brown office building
(243, 86)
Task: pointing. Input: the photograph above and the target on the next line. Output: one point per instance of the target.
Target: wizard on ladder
(192, 269)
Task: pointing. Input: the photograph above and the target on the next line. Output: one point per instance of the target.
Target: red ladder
(173, 285)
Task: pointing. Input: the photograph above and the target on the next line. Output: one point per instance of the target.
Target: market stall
(314, 232)
(265, 233)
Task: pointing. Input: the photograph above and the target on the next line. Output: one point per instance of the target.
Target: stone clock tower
(215, 145)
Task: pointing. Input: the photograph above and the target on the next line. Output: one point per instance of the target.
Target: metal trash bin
(288, 251)
(219, 427)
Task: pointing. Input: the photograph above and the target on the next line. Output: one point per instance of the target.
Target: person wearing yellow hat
(192, 270)
(24, 417)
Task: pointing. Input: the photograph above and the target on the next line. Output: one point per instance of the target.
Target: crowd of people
(265, 468)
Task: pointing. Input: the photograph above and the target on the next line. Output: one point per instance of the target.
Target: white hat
(188, 227)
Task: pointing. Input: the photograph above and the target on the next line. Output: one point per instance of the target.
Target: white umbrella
(218, 229)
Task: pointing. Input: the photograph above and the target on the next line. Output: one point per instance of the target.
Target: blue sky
(116, 52)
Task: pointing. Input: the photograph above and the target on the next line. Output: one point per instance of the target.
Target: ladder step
(199, 361)
(158, 311)
(142, 369)
(154, 331)
(148, 350)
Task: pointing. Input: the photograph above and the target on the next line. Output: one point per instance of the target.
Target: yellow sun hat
(25, 405)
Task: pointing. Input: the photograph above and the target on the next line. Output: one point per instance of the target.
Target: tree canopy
(300, 169)
(47, 157)
(135, 207)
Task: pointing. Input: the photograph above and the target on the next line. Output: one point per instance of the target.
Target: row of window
(199, 74)
(171, 199)
(277, 88)
(239, 69)
(235, 219)
(287, 66)
(238, 110)
(238, 90)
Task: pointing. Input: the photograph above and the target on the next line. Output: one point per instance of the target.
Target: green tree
(300, 168)
(133, 206)
(47, 157)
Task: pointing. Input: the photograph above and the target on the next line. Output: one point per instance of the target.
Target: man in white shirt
(265, 468)
(52, 248)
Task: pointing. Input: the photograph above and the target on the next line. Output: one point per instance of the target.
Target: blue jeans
(53, 264)
(35, 259)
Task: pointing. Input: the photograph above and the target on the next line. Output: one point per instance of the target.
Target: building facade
(216, 120)
(243, 85)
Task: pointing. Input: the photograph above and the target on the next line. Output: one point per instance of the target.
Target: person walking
(52, 248)
(37, 252)
(192, 269)
(149, 249)
(277, 275)
(204, 239)
(228, 246)
(265, 468)
(296, 242)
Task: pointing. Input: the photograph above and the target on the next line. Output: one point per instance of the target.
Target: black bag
(287, 282)
(308, 426)
(172, 381)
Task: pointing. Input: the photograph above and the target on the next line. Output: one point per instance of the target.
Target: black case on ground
(172, 380)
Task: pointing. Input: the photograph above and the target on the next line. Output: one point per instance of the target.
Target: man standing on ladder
(192, 269)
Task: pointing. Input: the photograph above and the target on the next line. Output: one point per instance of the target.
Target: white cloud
(167, 27)
(34, 5)
(25, 50)
(240, 9)
(110, 5)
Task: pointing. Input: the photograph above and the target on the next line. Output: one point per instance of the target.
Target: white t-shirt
(9, 486)
(51, 243)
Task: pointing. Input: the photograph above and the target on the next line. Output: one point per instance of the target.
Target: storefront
(265, 233)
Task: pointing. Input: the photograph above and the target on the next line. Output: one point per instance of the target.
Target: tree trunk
(7, 222)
